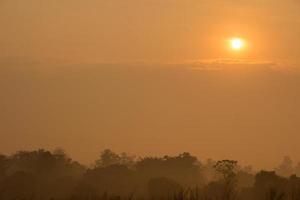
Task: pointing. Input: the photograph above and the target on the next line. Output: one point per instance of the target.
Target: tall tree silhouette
(228, 170)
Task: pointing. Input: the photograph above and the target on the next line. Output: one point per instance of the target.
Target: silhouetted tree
(293, 188)
(113, 179)
(163, 188)
(45, 175)
(268, 185)
(3, 166)
(20, 185)
(50, 174)
(285, 168)
(227, 170)
(184, 168)
(297, 169)
(108, 157)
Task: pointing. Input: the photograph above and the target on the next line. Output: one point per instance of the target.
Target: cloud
(222, 64)
(239, 64)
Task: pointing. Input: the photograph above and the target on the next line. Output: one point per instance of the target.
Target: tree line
(42, 174)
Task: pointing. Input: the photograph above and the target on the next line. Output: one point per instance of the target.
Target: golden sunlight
(237, 44)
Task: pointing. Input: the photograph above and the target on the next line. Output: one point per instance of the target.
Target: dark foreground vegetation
(41, 175)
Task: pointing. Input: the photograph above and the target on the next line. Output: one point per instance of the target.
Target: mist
(201, 95)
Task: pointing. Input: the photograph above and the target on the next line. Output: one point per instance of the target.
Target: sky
(151, 77)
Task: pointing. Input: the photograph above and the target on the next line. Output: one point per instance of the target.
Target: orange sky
(169, 30)
(151, 77)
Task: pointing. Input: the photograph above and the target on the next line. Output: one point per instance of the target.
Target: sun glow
(237, 44)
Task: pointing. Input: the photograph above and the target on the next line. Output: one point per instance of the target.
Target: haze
(151, 77)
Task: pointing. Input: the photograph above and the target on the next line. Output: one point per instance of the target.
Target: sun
(237, 44)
